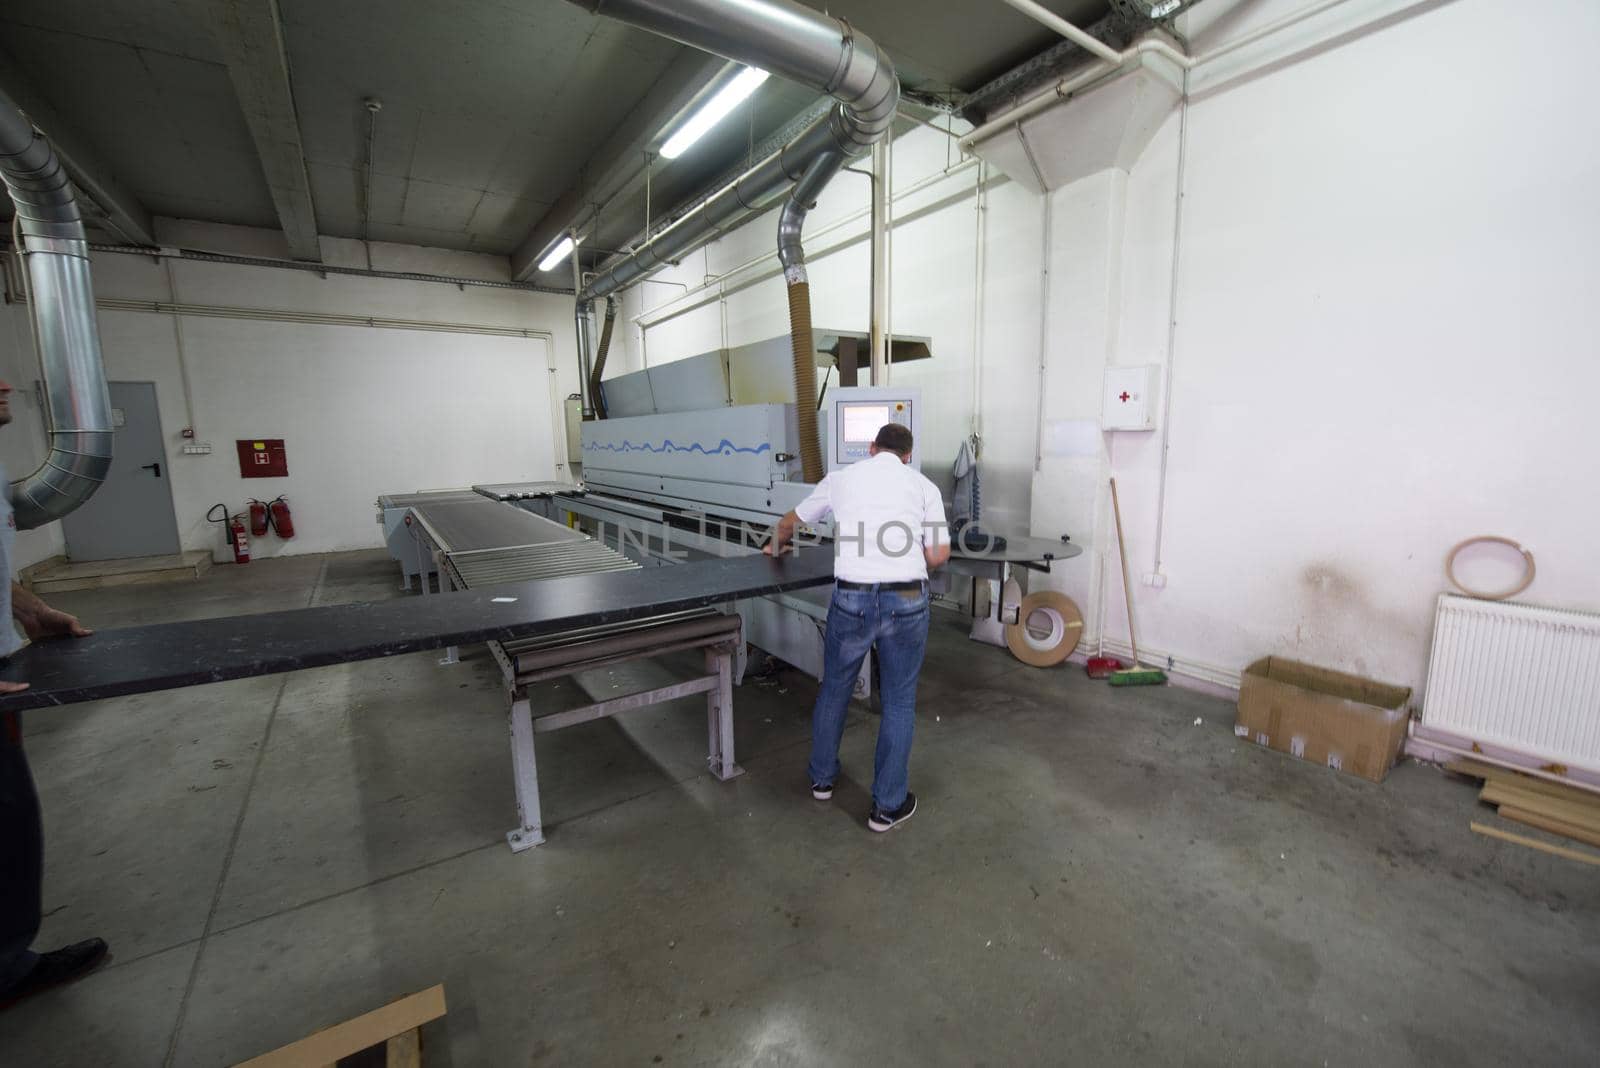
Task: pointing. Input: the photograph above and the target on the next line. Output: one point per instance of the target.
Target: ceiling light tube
(714, 111)
(554, 257)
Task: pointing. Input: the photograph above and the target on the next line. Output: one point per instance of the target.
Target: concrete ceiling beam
(250, 36)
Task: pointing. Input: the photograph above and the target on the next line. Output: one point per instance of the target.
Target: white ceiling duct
(1103, 119)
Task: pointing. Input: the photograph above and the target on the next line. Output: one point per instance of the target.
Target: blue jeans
(897, 622)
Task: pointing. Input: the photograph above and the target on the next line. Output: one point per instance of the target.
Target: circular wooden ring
(1527, 575)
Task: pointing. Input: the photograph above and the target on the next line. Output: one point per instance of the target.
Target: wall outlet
(196, 448)
(1155, 578)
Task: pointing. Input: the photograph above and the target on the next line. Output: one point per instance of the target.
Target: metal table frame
(525, 663)
(719, 636)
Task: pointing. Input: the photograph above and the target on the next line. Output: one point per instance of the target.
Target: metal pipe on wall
(63, 310)
(1083, 40)
(878, 358)
(319, 268)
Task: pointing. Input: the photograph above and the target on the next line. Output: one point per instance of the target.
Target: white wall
(1385, 336)
(363, 410)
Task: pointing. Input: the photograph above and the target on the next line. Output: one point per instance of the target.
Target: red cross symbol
(1123, 396)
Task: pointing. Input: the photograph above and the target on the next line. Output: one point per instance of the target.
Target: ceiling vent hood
(1080, 127)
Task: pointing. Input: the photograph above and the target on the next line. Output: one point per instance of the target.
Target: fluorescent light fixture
(714, 111)
(562, 250)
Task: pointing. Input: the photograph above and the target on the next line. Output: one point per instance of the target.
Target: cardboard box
(1347, 722)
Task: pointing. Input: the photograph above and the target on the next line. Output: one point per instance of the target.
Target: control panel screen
(863, 421)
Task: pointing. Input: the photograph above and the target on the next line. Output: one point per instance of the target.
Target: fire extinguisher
(282, 521)
(233, 532)
(258, 518)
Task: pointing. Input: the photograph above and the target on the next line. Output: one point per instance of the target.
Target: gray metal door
(131, 515)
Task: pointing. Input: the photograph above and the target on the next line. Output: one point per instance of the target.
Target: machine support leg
(452, 654)
(719, 714)
(525, 773)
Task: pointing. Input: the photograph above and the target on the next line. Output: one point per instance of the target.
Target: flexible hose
(595, 397)
(805, 380)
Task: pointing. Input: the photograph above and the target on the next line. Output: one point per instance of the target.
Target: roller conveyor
(479, 542)
(486, 543)
(477, 523)
(525, 563)
(528, 491)
(410, 500)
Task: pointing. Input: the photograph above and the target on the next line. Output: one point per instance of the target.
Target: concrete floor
(1092, 877)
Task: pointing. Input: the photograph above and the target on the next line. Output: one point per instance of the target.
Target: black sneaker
(822, 791)
(57, 967)
(881, 821)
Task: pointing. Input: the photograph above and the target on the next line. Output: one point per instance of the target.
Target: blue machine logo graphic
(722, 448)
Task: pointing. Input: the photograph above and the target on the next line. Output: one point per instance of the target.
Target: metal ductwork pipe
(784, 38)
(794, 42)
(596, 394)
(792, 255)
(61, 303)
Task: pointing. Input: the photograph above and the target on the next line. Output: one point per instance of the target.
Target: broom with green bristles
(1136, 675)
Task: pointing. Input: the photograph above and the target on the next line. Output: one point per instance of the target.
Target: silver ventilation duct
(789, 40)
(62, 306)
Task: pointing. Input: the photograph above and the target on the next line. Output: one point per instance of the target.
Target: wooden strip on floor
(1554, 826)
(1534, 843)
(1477, 769)
(1582, 815)
(341, 1040)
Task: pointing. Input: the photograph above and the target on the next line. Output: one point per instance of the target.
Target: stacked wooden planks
(1539, 803)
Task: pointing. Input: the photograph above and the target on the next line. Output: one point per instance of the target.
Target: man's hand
(12, 687)
(50, 622)
(782, 535)
(38, 620)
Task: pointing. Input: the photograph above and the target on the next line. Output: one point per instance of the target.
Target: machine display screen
(863, 421)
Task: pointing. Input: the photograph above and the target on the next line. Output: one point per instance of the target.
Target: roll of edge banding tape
(1058, 622)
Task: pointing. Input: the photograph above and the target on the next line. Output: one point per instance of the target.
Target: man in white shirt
(890, 530)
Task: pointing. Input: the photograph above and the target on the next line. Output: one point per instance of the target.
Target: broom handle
(1122, 555)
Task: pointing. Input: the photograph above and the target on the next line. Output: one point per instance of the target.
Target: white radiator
(1518, 677)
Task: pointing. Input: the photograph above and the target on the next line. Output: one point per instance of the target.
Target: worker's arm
(937, 554)
(814, 509)
(782, 534)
